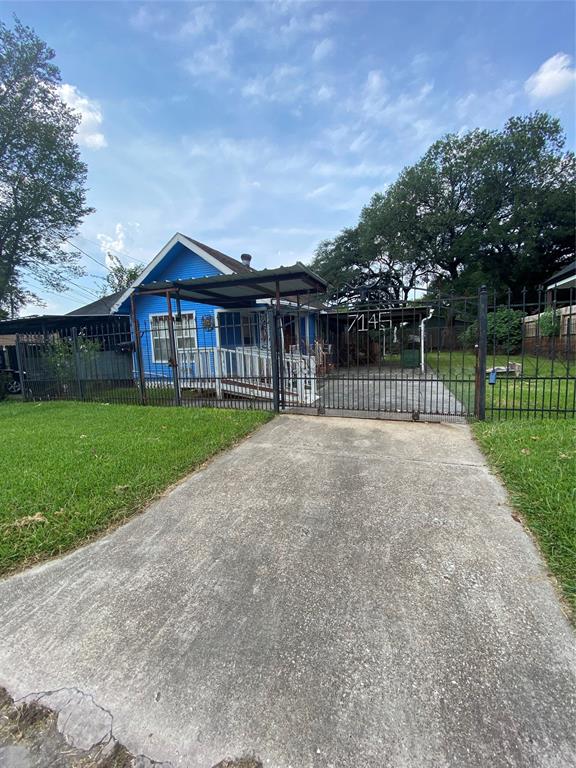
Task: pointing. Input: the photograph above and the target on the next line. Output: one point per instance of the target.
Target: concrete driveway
(391, 390)
(331, 592)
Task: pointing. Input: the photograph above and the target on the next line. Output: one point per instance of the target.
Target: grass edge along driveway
(536, 459)
(72, 470)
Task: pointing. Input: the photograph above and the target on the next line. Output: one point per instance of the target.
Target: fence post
(173, 352)
(77, 363)
(139, 361)
(273, 333)
(20, 364)
(480, 405)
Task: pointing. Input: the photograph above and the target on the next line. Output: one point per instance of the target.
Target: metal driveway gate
(397, 361)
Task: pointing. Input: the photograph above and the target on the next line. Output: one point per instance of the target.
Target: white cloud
(488, 108)
(319, 191)
(281, 23)
(147, 16)
(419, 61)
(305, 24)
(119, 243)
(324, 93)
(88, 132)
(199, 20)
(553, 78)
(374, 95)
(247, 22)
(323, 49)
(345, 171)
(285, 83)
(407, 113)
(211, 61)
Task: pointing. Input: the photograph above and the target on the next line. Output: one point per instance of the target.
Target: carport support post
(77, 363)
(273, 333)
(138, 350)
(20, 364)
(481, 354)
(173, 355)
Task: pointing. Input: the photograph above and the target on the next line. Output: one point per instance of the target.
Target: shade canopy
(47, 323)
(242, 290)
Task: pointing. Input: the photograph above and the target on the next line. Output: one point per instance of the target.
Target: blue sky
(264, 127)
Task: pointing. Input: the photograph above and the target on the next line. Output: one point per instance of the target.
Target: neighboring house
(562, 285)
(112, 332)
(557, 337)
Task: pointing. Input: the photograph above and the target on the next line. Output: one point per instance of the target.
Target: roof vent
(246, 259)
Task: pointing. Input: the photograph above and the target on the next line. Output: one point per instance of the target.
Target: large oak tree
(494, 207)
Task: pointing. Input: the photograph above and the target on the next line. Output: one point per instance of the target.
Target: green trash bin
(410, 358)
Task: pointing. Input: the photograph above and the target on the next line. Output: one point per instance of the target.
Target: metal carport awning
(242, 290)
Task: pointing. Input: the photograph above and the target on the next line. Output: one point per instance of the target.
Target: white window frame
(166, 316)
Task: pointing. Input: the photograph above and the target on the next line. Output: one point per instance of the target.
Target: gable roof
(222, 262)
(234, 264)
(99, 307)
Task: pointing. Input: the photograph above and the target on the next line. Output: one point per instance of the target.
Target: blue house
(217, 349)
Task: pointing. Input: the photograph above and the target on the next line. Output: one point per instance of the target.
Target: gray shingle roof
(99, 307)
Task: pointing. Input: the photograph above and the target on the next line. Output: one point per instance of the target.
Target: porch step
(247, 389)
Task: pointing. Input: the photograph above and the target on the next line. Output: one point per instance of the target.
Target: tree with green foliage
(42, 178)
(530, 189)
(119, 275)
(484, 207)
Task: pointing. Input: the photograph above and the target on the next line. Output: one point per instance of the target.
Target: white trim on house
(569, 282)
(183, 240)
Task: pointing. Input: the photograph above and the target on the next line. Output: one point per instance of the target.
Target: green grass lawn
(544, 385)
(537, 462)
(70, 470)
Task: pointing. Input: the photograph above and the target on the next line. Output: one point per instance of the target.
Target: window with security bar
(184, 334)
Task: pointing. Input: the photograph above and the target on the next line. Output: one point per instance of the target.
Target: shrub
(504, 330)
(549, 324)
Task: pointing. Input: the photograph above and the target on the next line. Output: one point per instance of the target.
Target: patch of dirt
(243, 762)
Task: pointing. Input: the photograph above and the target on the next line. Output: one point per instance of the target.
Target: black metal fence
(444, 358)
(531, 355)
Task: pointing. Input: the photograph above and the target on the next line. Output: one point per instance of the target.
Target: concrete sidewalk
(331, 592)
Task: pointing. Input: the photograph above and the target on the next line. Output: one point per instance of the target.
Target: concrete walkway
(331, 592)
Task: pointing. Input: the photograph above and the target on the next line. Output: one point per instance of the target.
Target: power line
(73, 294)
(89, 291)
(100, 263)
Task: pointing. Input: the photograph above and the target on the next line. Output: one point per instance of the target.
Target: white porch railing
(247, 371)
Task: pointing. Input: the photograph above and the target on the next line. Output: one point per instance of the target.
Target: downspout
(422, 335)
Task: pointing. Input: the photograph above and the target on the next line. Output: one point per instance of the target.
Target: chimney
(246, 259)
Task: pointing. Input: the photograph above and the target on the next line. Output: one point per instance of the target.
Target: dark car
(9, 377)
(11, 381)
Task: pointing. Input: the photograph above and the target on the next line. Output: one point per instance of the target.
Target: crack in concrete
(63, 728)
(67, 728)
